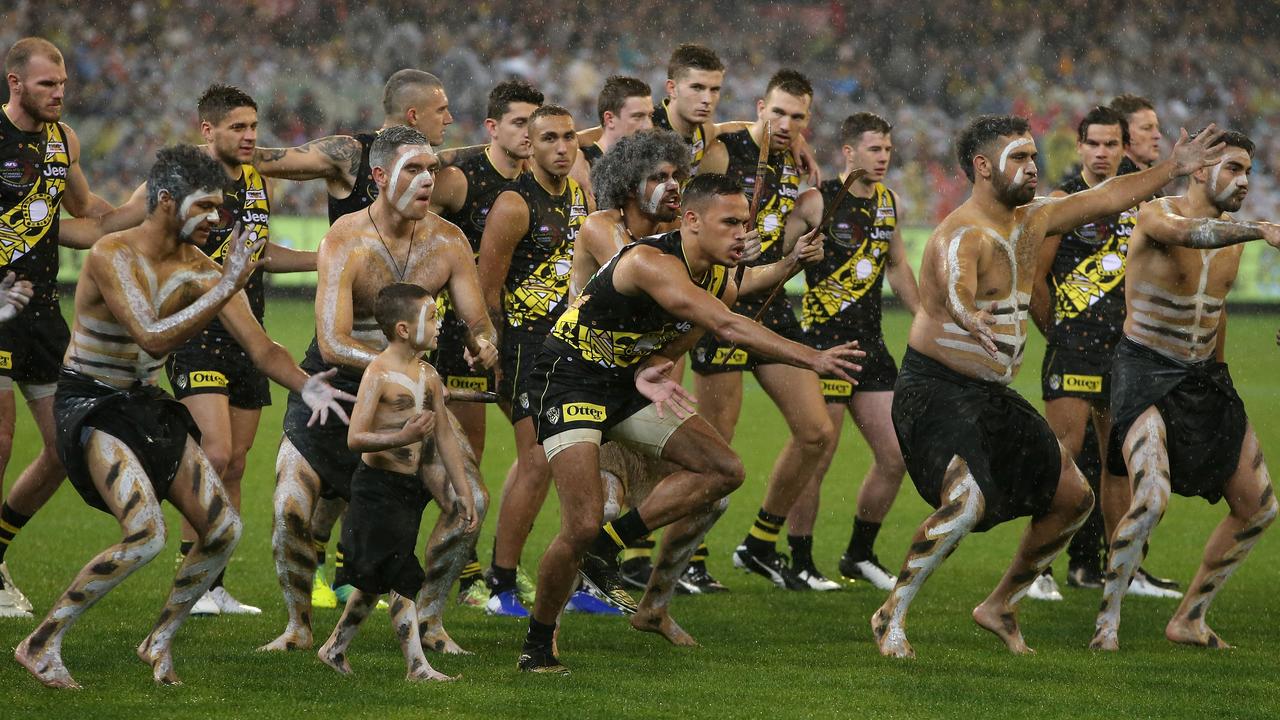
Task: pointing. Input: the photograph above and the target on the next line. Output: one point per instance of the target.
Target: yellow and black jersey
(537, 286)
(244, 203)
(484, 185)
(612, 331)
(1086, 280)
(697, 144)
(844, 292)
(364, 191)
(33, 179)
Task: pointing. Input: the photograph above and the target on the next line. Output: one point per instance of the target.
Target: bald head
(22, 52)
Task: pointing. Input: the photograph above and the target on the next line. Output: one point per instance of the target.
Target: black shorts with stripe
(520, 350)
(218, 368)
(879, 371)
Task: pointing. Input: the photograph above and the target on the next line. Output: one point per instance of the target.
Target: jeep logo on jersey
(254, 217)
(581, 411)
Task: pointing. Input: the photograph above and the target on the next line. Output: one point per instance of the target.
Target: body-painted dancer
(1179, 425)
(396, 239)
(976, 450)
(127, 444)
(393, 426)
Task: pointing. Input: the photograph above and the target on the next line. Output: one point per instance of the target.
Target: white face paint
(651, 205)
(1013, 145)
(415, 184)
(195, 196)
(1232, 187)
(421, 337)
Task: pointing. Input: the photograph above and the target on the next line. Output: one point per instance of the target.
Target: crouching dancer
(126, 443)
(1179, 424)
(976, 450)
(603, 374)
(394, 426)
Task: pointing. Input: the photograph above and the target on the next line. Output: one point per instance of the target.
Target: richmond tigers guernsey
(33, 179)
(697, 144)
(1086, 280)
(536, 289)
(244, 203)
(363, 190)
(612, 332)
(844, 295)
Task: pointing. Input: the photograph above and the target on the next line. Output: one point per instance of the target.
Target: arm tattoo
(1209, 233)
(342, 151)
(265, 155)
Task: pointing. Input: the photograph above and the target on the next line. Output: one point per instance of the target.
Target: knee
(726, 472)
(223, 537)
(234, 471)
(145, 544)
(481, 495)
(582, 528)
(815, 435)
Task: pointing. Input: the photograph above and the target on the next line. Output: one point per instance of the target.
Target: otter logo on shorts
(581, 411)
(207, 378)
(553, 415)
(6, 360)
(836, 388)
(460, 382)
(722, 357)
(1082, 383)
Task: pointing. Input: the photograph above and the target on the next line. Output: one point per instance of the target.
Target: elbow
(157, 346)
(728, 330)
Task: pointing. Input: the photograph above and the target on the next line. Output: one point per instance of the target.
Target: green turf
(766, 653)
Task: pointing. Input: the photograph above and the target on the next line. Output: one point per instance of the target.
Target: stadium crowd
(136, 68)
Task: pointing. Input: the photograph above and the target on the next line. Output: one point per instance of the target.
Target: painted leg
(334, 651)
(404, 620)
(297, 488)
(679, 541)
(448, 551)
(127, 491)
(940, 533)
(1148, 463)
(1043, 540)
(1253, 508)
(199, 496)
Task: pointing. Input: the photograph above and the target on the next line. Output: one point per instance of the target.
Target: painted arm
(1124, 191)
(1160, 222)
(451, 455)
(362, 438)
(1041, 293)
(113, 268)
(899, 273)
(469, 300)
(960, 265)
(337, 266)
(508, 221)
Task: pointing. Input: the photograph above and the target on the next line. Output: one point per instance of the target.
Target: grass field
(766, 653)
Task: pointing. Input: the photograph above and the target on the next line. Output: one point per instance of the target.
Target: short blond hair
(15, 61)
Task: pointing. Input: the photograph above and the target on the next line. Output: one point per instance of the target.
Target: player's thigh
(1067, 416)
(699, 447)
(873, 415)
(719, 399)
(42, 411)
(244, 428)
(576, 469)
(212, 413)
(797, 393)
(121, 482)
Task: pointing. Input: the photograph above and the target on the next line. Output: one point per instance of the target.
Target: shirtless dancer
(396, 239)
(1179, 425)
(975, 449)
(412, 98)
(128, 445)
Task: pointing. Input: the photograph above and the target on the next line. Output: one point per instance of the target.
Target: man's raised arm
(1161, 223)
(335, 158)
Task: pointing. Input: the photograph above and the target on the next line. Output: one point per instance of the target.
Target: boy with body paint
(394, 426)
(976, 450)
(1179, 425)
(395, 239)
(127, 445)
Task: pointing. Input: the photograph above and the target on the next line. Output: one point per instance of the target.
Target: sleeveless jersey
(845, 287)
(592, 153)
(364, 191)
(484, 185)
(611, 331)
(245, 202)
(537, 285)
(697, 144)
(33, 178)
(1086, 280)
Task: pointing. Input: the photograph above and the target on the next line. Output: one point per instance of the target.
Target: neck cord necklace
(412, 235)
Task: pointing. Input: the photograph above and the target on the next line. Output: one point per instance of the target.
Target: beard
(43, 114)
(1014, 195)
(1231, 204)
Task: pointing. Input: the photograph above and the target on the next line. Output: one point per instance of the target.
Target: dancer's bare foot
(289, 640)
(45, 666)
(1003, 623)
(659, 621)
(438, 640)
(422, 671)
(890, 638)
(335, 660)
(1105, 638)
(161, 662)
(1193, 632)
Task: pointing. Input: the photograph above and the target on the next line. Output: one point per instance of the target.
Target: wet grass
(766, 653)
